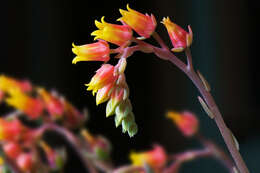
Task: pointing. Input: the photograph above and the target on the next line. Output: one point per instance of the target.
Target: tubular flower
(53, 104)
(118, 34)
(155, 158)
(98, 51)
(7, 84)
(179, 37)
(104, 75)
(12, 149)
(31, 106)
(144, 25)
(11, 130)
(186, 122)
(104, 93)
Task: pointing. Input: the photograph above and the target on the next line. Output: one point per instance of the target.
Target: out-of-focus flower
(155, 158)
(179, 37)
(33, 107)
(72, 117)
(53, 104)
(2, 94)
(12, 149)
(55, 158)
(11, 130)
(7, 84)
(144, 25)
(1, 162)
(120, 35)
(98, 51)
(104, 76)
(185, 121)
(25, 161)
(99, 145)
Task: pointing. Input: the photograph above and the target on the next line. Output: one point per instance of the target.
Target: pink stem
(73, 142)
(189, 71)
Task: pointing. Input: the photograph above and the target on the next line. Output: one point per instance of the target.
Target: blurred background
(37, 37)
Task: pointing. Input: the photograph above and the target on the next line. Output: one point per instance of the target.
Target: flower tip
(74, 61)
(178, 49)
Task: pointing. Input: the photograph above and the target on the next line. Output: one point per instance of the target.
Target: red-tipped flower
(120, 35)
(155, 158)
(11, 130)
(24, 162)
(144, 25)
(179, 37)
(187, 122)
(33, 107)
(53, 104)
(98, 51)
(7, 84)
(104, 75)
(12, 149)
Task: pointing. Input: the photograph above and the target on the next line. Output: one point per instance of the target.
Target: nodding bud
(179, 37)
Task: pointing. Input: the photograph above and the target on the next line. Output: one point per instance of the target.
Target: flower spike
(120, 35)
(98, 51)
(144, 25)
(179, 37)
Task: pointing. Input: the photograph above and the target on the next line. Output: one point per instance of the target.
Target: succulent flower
(143, 24)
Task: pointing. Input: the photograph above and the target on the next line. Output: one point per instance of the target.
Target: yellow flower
(120, 35)
(144, 25)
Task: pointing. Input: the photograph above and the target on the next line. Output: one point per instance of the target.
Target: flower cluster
(17, 139)
(109, 82)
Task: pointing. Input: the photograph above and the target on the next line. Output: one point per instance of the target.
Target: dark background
(37, 37)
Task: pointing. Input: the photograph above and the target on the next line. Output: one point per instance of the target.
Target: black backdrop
(37, 37)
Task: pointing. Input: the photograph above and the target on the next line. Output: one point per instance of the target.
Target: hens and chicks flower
(109, 82)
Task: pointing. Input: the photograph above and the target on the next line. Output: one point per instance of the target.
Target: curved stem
(73, 142)
(189, 71)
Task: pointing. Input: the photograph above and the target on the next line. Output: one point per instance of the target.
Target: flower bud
(103, 76)
(179, 37)
(98, 51)
(104, 93)
(187, 122)
(120, 35)
(155, 158)
(144, 25)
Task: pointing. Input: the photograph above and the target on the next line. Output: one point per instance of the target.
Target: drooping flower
(8, 83)
(179, 37)
(187, 122)
(53, 104)
(12, 149)
(11, 130)
(98, 51)
(33, 107)
(120, 35)
(156, 158)
(104, 75)
(104, 93)
(144, 25)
